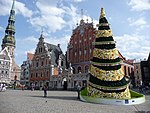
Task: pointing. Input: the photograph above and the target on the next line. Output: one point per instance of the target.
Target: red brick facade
(80, 47)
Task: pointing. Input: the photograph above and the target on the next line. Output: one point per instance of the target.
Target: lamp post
(15, 78)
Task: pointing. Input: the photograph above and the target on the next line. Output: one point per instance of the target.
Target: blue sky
(129, 21)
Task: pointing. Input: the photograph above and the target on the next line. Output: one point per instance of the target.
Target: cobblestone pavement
(18, 101)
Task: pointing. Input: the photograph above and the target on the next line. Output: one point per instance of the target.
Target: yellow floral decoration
(105, 54)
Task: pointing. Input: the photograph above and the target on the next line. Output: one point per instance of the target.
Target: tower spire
(42, 37)
(102, 13)
(9, 38)
(13, 5)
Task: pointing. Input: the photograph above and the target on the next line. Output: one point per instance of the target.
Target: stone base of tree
(136, 98)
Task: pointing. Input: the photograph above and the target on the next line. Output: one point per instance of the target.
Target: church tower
(9, 43)
(9, 38)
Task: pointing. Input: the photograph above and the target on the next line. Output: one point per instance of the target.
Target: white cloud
(49, 16)
(5, 6)
(78, 0)
(139, 24)
(20, 8)
(1, 28)
(30, 51)
(133, 46)
(23, 10)
(63, 41)
(139, 5)
(31, 39)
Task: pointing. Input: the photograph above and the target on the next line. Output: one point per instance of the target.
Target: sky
(129, 21)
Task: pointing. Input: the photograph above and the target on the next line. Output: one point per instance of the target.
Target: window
(37, 64)
(74, 71)
(86, 69)
(79, 69)
(80, 52)
(85, 51)
(41, 75)
(31, 75)
(90, 50)
(75, 54)
(62, 63)
(36, 75)
(42, 63)
(47, 73)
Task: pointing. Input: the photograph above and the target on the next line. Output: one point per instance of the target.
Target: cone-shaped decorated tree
(107, 79)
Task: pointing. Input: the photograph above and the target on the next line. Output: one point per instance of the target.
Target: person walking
(45, 88)
(78, 90)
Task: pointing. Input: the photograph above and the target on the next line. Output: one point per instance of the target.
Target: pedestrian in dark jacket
(45, 88)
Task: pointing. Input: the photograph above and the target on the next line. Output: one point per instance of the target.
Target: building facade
(137, 74)
(128, 68)
(145, 71)
(80, 51)
(80, 47)
(10, 43)
(47, 64)
(5, 66)
(24, 79)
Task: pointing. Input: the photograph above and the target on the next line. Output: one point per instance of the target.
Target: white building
(5, 66)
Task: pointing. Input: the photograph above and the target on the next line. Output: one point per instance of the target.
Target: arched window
(74, 71)
(42, 63)
(62, 63)
(79, 69)
(86, 68)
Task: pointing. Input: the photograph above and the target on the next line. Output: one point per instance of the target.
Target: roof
(4, 54)
(55, 51)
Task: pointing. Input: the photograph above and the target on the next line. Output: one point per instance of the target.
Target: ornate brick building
(47, 63)
(80, 50)
(80, 47)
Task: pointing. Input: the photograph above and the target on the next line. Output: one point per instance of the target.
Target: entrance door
(65, 85)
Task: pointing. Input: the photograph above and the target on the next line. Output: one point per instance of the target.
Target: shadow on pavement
(142, 111)
(58, 97)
